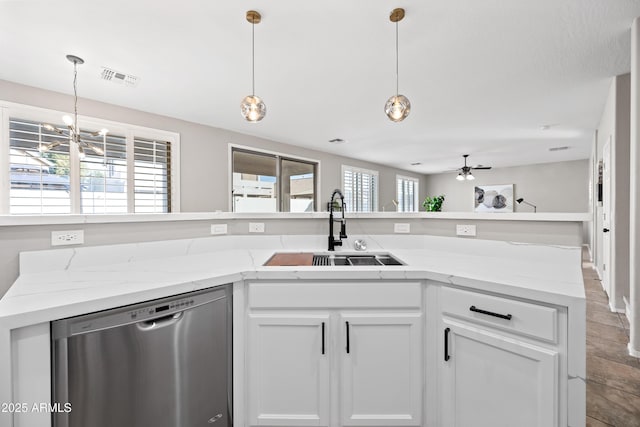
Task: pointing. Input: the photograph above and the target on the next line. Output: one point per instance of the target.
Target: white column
(634, 214)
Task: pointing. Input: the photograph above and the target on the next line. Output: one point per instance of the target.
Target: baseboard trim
(616, 310)
(633, 352)
(627, 309)
(586, 245)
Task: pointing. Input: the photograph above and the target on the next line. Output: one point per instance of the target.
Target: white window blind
(407, 194)
(39, 182)
(152, 171)
(103, 179)
(132, 176)
(360, 187)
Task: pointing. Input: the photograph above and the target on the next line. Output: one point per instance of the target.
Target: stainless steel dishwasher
(161, 363)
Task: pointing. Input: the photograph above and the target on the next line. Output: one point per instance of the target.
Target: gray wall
(204, 150)
(615, 123)
(552, 187)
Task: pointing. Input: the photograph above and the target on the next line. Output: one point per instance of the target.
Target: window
(134, 175)
(269, 182)
(39, 182)
(407, 194)
(360, 188)
(103, 179)
(152, 175)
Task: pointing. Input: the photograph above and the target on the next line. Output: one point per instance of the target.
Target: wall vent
(559, 148)
(114, 76)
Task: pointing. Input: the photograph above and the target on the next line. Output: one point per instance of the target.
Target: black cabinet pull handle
(347, 324)
(446, 344)
(322, 337)
(605, 230)
(490, 313)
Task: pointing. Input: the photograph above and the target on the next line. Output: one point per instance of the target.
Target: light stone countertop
(60, 283)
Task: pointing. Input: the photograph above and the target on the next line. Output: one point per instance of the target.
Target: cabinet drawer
(525, 319)
(335, 295)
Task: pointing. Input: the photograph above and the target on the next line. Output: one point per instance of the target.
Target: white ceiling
(482, 76)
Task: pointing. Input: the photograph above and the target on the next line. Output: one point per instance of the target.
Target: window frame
(279, 157)
(129, 131)
(373, 173)
(416, 193)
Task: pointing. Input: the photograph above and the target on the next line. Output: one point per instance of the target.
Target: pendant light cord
(75, 102)
(253, 58)
(397, 73)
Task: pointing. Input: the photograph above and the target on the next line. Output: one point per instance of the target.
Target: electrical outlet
(465, 230)
(67, 237)
(256, 227)
(218, 228)
(401, 228)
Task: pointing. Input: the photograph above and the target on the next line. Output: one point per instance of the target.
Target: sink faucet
(343, 224)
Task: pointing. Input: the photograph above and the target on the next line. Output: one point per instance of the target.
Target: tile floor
(613, 377)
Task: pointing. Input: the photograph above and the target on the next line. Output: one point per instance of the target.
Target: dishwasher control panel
(140, 312)
(146, 312)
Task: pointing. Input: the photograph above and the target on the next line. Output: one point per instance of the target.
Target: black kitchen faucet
(343, 224)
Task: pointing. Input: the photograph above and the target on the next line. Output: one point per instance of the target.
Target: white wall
(552, 187)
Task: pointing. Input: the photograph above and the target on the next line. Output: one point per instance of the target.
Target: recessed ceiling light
(337, 141)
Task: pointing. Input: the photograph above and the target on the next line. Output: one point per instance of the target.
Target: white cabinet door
(381, 369)
(497, 381)
(288, 370)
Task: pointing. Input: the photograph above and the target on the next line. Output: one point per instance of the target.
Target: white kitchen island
(530, 366)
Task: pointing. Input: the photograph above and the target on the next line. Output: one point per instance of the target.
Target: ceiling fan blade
(482, 167)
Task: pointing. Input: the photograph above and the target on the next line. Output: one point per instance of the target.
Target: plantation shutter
(152, 172)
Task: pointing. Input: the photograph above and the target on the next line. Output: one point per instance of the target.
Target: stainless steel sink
(355, 259)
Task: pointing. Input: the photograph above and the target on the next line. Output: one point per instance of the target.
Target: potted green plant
(433, 204)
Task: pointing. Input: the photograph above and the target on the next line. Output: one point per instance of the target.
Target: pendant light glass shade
(253, 108)
(398, 106)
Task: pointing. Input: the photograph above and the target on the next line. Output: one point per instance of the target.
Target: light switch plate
(465, 230)
(67, 237)
(401, 227)
(256, 227)
(218, 228)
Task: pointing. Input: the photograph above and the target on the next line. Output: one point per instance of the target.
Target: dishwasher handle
(159, 322)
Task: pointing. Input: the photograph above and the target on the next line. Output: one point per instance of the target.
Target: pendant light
(398, 106)
(252, 107)
(74, 132)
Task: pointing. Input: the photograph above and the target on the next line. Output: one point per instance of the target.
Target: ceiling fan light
(253, 109)
(460, 177)
(470, 177)
(397, 108)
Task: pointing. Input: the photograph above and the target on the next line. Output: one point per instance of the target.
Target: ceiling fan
(465, 171)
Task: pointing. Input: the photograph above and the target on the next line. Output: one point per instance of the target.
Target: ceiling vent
(114, 76)
(559, 148)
